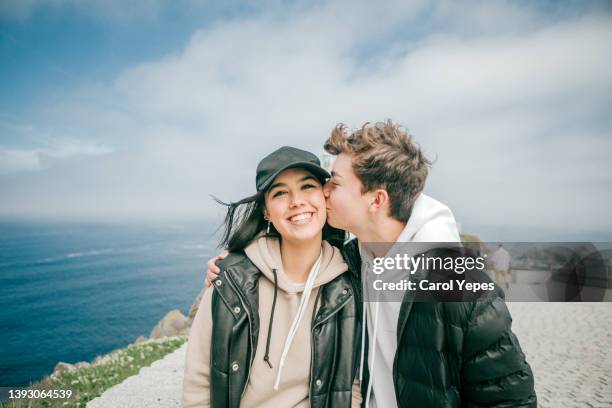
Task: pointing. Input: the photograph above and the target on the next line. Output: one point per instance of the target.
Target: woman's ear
(265, 214)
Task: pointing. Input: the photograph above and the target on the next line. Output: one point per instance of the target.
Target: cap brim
(317, 171)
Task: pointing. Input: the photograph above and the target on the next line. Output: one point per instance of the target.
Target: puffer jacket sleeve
(494, 371)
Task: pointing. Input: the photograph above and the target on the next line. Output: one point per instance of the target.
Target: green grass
(89, 382)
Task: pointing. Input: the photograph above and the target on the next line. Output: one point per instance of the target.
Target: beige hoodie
(293, 385)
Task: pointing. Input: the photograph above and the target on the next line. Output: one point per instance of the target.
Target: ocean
(70, 292)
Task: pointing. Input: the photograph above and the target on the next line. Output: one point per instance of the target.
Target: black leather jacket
(335, 337)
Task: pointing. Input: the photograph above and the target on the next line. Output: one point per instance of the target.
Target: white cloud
(18, 161)
(27, 160)
(512, 103)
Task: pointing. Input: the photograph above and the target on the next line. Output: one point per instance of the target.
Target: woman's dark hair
(244, 220)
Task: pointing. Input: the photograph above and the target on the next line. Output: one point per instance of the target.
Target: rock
(62, 367)
(173, 324)
(140, 339)
(82, 364)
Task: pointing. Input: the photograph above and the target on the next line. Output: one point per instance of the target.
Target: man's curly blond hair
(384, 156)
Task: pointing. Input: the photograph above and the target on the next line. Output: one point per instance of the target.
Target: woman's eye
(305, 186)
(278, 194)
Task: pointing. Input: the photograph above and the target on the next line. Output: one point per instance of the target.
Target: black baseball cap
(287, 158)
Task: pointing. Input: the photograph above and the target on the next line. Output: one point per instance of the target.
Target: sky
(141, 110)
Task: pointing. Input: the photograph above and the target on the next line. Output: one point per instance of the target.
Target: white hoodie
(430, 221)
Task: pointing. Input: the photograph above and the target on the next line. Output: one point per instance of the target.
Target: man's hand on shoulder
(213, 269)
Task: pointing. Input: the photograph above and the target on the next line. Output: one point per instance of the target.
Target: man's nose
(326, 189)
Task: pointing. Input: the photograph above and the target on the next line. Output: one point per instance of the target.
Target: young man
(421, 354)
(417, 354)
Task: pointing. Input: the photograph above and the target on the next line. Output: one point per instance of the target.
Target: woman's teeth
(301, 218)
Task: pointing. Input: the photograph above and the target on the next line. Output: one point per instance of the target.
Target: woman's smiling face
(295, 205)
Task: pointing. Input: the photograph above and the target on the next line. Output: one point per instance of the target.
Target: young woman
(280, 327)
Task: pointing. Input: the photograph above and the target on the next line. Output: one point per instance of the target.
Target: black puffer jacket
(335, 336)
(456, 354)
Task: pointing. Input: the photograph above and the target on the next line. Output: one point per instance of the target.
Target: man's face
(347, 207)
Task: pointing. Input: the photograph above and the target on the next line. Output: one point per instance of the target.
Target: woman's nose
(297, 199)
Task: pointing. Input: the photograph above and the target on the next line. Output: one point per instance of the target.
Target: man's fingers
(212, 268)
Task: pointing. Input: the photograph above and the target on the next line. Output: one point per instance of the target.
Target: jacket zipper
(329, 316)
(233, 285)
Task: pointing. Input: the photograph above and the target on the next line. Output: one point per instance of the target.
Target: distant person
(280, 325)
(501, 265)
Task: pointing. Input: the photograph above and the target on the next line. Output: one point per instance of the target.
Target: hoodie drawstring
(267, 355)
(299, 315)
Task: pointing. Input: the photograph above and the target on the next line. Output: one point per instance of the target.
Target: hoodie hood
(265, 253)
(430, 221)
